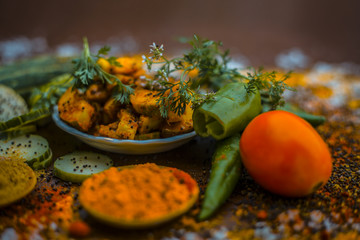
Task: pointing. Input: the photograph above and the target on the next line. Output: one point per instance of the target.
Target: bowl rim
(61, 124)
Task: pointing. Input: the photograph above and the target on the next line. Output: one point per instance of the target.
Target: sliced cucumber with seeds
(11, 104)
(25, 119)
(31, 149)
(15, 132)
(79, 165)
(37, 165)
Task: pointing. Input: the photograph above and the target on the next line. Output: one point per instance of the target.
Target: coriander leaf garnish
(103, 51)
(112, 61)
(204, 57)
(211, 62)
(174, 96)
(270, 86)
(213, 72)
(87, 71)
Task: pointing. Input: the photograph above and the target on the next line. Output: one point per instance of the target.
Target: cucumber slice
(29, 148)
(25, 119)
(79, 165)
(14, 132)
(11, 104)
(16, 178)
(43, 164)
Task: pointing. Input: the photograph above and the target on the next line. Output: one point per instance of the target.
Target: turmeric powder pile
(141, 192)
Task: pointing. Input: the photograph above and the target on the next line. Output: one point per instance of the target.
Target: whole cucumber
(26, 74)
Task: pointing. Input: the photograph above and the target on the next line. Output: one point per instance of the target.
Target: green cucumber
(79, 165)
(15, 132)
(27, 118)
(29, 148)
(24, 75)
(48, 94)
(11, 104)
(37, 165)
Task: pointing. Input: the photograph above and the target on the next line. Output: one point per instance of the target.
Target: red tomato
(284, 154)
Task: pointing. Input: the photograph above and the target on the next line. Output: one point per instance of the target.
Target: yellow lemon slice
(138, 196)
(17, 180)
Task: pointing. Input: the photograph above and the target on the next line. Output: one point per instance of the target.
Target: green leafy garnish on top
(270, 86)
(205, 58)
(212, 72)
(87, 71)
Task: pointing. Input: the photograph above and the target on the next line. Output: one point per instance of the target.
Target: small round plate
(20, 173)
(117, 221)
(135, 147)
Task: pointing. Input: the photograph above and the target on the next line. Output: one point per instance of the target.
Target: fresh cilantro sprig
(174, 96)
(212, 63)
(270, 86)
(204, 57)
(213, 73)
(87, 70)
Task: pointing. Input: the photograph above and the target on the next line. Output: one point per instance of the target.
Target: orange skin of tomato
(284, 154)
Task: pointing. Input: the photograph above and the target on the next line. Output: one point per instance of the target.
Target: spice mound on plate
(142, 192)
(17, 179)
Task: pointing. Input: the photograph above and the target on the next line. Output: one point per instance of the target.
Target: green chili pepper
(230, 112)
(314, 120)
(225, 173)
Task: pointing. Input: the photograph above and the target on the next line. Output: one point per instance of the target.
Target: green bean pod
(230, 112)
(314, 120)
(225, 173)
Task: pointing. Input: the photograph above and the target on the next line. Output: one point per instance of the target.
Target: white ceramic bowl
(124, 146)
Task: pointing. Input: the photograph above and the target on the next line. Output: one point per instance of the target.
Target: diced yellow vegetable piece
(75, 110)
(108, 130)
(125, 79)
(111, 108)
(173, 117)
(104, 64)
(139, 73)
(127, 126)
(184, 126)
(144, 102)
(97, 92)
(149, 124)
(129, 65)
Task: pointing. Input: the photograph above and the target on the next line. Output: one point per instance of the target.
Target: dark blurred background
(324, 30)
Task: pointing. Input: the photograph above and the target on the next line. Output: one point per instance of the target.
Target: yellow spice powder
(141, 192)
(17, 179)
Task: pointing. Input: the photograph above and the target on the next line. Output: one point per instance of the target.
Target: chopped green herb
(87, 70)
(271, 88)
